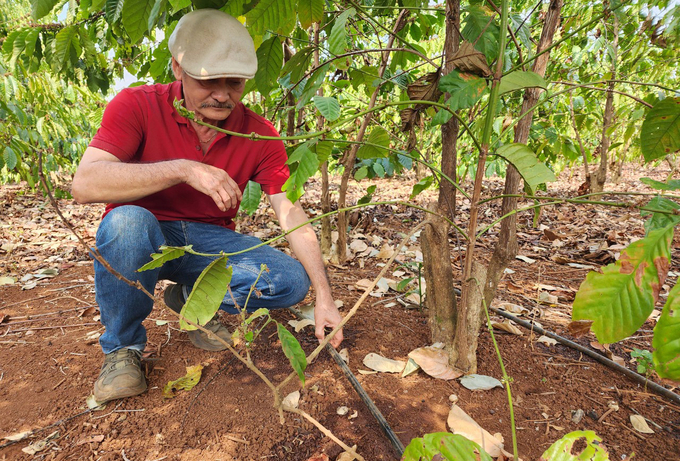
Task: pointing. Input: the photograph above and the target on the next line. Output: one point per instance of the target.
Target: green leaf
(167, 253)
(464, 89)
(269, 62)
(312, 85)
(421, 186)
(298, 64)
(40, 8)
(378, 137)
(261, 312)
(208, 293)
(660, 133)
(532, 170)
(673, 184)
(562, 449)
(113, 10)
(310, 11)
(66, 47)
(11, 159)
(153, 16)
(329, 107)
(444, 446)
(274, 15)
(619, 300)
(481, 28)
(666, 340)
(308, 164)
(661, 220)
(136, 16)
(337, 40)
(368, 196)
(291, 347)
(323, 150)
(361, 173)
(520, 79)
(251, 198)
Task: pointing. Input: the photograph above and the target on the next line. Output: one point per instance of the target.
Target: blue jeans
(129, 234)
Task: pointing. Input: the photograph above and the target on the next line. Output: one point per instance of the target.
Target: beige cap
(209, 43)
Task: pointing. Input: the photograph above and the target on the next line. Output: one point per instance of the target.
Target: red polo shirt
(140, 125)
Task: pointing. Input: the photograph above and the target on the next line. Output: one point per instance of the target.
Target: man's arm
(306, 247)
(102, 177)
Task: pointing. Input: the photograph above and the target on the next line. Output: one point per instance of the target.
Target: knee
(132, 224)
(294, 283)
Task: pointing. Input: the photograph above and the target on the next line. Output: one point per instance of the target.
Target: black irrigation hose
(387, 430)
(610, 363)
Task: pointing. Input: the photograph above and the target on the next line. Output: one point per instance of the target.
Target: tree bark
(598, 180)
(326, 242)
(441, 299)
(506, 247)
(351, 156)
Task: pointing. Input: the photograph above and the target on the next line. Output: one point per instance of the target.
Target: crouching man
(170, 181)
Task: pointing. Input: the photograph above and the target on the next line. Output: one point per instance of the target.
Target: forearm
(115, 182)
(305, 245)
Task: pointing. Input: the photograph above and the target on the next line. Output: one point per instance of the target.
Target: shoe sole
(121, 394)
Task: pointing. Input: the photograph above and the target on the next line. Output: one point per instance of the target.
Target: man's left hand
(326, 314)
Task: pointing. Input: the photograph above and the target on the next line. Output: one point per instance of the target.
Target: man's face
(212, 100)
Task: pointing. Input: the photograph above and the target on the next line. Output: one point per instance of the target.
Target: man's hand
(215, 183)
(326, 315)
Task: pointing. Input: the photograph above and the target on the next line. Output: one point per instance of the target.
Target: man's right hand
(213, 182)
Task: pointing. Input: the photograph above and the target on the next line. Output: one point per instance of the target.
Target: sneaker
(121, 376)
(175, 296)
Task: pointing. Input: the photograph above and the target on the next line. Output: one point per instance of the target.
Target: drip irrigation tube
(610, 363)
(382, 422)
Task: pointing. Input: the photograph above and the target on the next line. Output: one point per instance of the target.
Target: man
(168, 180)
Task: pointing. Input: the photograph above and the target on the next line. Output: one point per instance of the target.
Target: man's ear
(176, 69)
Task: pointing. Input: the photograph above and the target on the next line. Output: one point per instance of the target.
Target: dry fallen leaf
(300, 324)
(512, 308)
(292, 400)
(363, 284)
(385, 252)
(379, 363)
(411, 367)
(342, 411)
(526, 259)
(507, 325)
(546, 340)
(186, 382)
(346, 456)
(579, 327)
(357, 246)
(546, 297)
(461, 423)
(18, 436)
(344, 355)
(640, 424)
(90, 439)
(435, 362)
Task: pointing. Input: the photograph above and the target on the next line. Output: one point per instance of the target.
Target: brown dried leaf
(379, 363)
(579, 328)
(434, 362)
(468, 59)
(91, 439)
(426, 88)
(507, 326)
(640, 424)
(461, 423)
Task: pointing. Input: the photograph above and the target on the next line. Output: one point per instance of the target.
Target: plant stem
(506, 379)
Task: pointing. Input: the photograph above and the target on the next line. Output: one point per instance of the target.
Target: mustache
(217, 105)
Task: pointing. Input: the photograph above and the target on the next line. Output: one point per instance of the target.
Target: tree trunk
(351, 156)
(586, 168)
(441, 299)
(290, 99)
(326, 239)
(506, 245)
(598, 180)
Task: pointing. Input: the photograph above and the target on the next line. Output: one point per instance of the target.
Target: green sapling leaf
(291, 347)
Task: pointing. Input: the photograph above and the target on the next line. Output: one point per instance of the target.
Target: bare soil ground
(49, 355)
